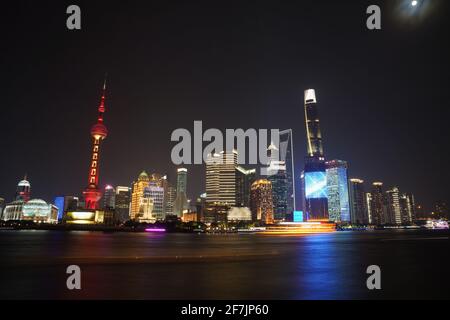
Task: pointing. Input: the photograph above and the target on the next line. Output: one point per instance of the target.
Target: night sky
(383, 95)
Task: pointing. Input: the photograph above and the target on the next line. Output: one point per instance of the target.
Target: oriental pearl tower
(99, 132)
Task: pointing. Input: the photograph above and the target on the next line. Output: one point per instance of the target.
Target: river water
(414, 264)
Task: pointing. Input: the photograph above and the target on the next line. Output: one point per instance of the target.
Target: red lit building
(99, 132)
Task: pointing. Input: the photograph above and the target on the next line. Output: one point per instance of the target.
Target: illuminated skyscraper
(181, 201)
(99, 132)
(407, 206)
(377, 204)
(109, 198)
(261, 201)
(23, 191)
(145, 213)
(358, 212)
(244, 180)
(368, 203)
(313, 133)
(393, 206)
(277, 175)
(287, 155)
(337, 191)
(169, 199)
(314, 175)
(182, 180)
(138, 192)
(156, 193)
(122, 203)
(221, 179)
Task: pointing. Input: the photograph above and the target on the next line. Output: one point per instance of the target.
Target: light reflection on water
(191, 266)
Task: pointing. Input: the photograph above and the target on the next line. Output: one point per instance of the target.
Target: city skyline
(378, 126)
(308, 94)
(224, 159)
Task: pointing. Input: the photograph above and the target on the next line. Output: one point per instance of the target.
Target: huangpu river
(413, 263)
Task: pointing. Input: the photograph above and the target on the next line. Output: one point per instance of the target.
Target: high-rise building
(314, 175)
(99, 132)
(244, 180)
(393, 206)
(145, 213)
(261, 201)
(408, 208)
(221, 179)
(315, 190)
(287, 155)
(109, 198)
(169, 199)
(357, 195)
(182, 180)
(368, 203)
(377, 204)
(23, 191)
(200, 206)
(181, 201)
(122, 203)
(277, 175)
(313, 133)
(138, 192)
(156, 193)
(169, 195)
(337, 191)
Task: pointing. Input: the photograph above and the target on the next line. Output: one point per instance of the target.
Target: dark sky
(383, 95)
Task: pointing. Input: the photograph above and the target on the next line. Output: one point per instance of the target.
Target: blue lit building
(59, 203)
(337, 191)
(314, 185)
(65, 204)
(314, 178)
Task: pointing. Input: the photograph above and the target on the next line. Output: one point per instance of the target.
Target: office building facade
(337, 191)
(357, 195)
(261, 201)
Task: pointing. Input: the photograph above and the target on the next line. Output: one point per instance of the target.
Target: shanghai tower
(92, 193)
(314, 179)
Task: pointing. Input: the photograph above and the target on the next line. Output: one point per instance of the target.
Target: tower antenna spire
(104, 83)
(101, 107)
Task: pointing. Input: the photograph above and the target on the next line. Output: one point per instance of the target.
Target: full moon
(414, 3)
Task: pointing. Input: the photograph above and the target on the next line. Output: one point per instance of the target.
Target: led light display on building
(298, 216)
(59, 202)
(315, 185)
(81, 217)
